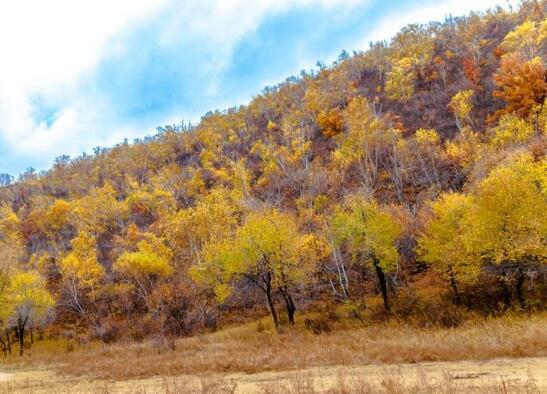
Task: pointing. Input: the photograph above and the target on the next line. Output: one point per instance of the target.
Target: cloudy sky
(79, 74)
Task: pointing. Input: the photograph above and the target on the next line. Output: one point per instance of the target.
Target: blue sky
(80, 74)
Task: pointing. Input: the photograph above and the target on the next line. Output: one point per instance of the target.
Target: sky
(79, 74)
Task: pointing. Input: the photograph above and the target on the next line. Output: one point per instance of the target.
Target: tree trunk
(520, 283)
(21, 335)
(382, 281)
(4, 346)
(454, 285)
(8, 341)
(505, 290)
(272, 307)
(21, 325)
(289, 305)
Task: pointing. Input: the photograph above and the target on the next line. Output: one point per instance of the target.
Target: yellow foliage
(58, 214)
(510, 130)
(369, 231)
(400, 80)
(9, 222)
(508, 220)
(153, 202)
(212, 218)
(526, 38)
(441, 243)
(465, 148)
(151, 259)
(99, 211)
(331, 122)
(25, 298)
(80, 264)
(268, 243)
(461, 106)
(427, 137)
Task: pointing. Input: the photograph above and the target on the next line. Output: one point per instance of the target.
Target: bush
(426, 310)
(318, 325)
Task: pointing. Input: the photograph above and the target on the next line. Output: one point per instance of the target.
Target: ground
(495, 355)
(501, 375)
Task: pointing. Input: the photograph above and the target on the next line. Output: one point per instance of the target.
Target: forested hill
(415, 168)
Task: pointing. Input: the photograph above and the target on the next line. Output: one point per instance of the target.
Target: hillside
(407, 181)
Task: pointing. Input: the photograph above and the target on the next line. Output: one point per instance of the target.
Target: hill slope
(413, 171)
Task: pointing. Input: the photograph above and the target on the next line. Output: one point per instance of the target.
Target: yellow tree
(25, 303)
(511, 130)
(367, 146)
(81, 273)
(526, 39)
(270, 252)
(507, 223)
(400, 80)
(11, 241)
(441, 243)
(461, 106)
(370, 234)
(211, 219)
(99, 212)
(411, 49)
(145, 267)
(12, 250)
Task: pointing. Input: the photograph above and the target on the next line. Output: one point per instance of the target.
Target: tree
(527, 39)
(270, 252)
(521, 84)
(12, 251)
(144, 267)
(411, 49)
(441, 243)
(99, 212)
(400, 81)
(461, 106)
(368, 146)
(507, 223)
(511, 130)
(5, 179)
(370, 233)
(26, 303)
(81, 273)
(187, 231)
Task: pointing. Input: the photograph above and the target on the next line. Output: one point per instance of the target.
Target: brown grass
(246, 349)
(384, 380)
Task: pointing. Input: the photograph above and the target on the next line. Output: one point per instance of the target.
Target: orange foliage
(521, 84)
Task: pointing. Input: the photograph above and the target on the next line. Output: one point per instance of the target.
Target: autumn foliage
(414, 169)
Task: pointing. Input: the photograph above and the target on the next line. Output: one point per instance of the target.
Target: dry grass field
(506, 354)
(521, 375)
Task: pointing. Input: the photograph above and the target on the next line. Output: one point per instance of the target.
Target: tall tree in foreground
(441, 244)
(506, 226)
(371, 235)
(270, 252)
(25, 303)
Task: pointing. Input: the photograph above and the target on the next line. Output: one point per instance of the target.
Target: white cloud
(48, 47)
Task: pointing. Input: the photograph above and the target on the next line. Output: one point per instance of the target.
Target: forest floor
(505, 355)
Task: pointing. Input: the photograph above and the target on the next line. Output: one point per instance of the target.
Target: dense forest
(405, 181)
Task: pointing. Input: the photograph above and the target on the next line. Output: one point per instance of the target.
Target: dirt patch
(504, 375)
